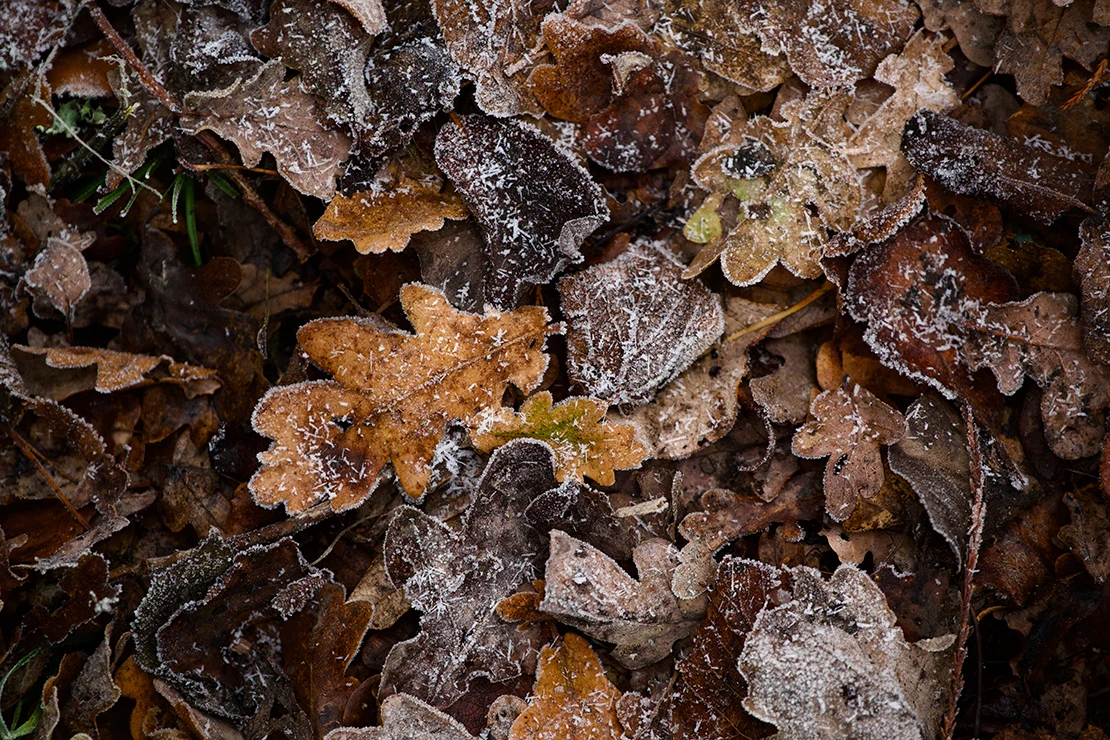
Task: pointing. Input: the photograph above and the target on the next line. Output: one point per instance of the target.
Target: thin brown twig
(776, 318)
(975, 542)
(243, 167)
(978, 83)
(151, 83)
(28, 450)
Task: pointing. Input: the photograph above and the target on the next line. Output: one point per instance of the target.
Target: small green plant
(17, 729)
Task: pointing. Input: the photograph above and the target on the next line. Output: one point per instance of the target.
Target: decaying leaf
(584, 444)
(726, 516)
(381, 221)
(785, 393)
(392, 398)
(830, 662)
(1013, 174)
(456, 578)
(573, 699)
(59, 278)
(267, 114)
(700, 406)
(849, 425)
(405, 717)
(586, 589)
(1092, 268)
(535, 218)
(633, 324)
(58, 372)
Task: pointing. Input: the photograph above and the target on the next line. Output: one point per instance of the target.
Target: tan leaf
(60, 275)
(573, 699)
(392, 398)
(849, 425)
(267, 114)
(583, 443)
(405, 717)
(381, 221)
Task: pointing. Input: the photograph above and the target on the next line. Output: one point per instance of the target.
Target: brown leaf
(727, 516)
(584, 444)
(588, 590)
(1015, 175)
(59, 277)
(380, 221)
(266, 114)
(572, 699)
(849, 425)
(105, 370)
(30, 27)
(615, 354)
(785, 393)
(456, 578)
(534, 219)
(405, 717)
(392, 398)
(1092, 270)
(1088, 535)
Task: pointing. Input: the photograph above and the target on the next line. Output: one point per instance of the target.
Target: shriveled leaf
(634, 324)
(59, 278)
(573, 699)
(971, 161)
(584, 444)
(720, 32)
(700, 406)
(44, 370)
(405, 717)
(456, 578)
(1092, 268)
(785, 393)
(849, 425)
(831, 661)
(726, 516)
(1088, 535)
(586, 589)
(933, 458)
(381, 221)
(533, 218)
(393, 396)
(267, 114)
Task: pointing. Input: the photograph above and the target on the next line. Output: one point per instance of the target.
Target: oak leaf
(633, 324)
(379, 221)
(267, 114)
(585, 588)
(405, 717)
(393, 396)
(534, 219)
(584, 444)
(456, 579)
(849, 425)
(572, 699)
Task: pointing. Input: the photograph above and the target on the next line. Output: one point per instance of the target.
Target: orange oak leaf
(392, 398)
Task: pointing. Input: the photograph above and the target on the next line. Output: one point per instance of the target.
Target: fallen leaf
(1088, 535)
(456, 578)
(110, 371)
(393, 396)
(30, 27)
(785, 393)
(726, 516)
(1092, 270)
(382, 221)
(59, 278)
(405, 717)
(856, 677)
(613, 353)
(584, 444)
(266, 114)
(975, 30)
(572, 699)
(586, 589)
(849, 425)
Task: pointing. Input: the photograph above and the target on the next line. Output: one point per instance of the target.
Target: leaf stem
(776, 318)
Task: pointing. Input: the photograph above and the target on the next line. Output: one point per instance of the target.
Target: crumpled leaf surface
(333, 438)
(633, 324)
(586, 589)
(1092, 266)
(405, 717)
(534, 220)
(111, 371)
(584, 444)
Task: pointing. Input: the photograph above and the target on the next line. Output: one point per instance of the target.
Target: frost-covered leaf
(1013, 174)
(583, 442)
(488, 40)
(456, 578)
(572, 698)
(849, 425)
(453, 260)
(1092, 268)
(393, 396)
(829, 44)
(720, 33)
(585, 513)
(831, 662)
(933, 459)
(30, 27)
(327, 45)
(633, 324)
(405, 717)
(586, 589)
(534, 218)
(726, 516)
(917, 75)
(1088, 535)
(975, 30)
(779, 171)
(267, 114)
(59, 278)
(105, 370)
(700, 406)
(385, 220)
(785, 393)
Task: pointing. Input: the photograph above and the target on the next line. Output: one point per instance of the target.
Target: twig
(244, 168)
(1096, 79)
(975, 542)
(776, 318)
(246, 189)
(980, 81)
(26, 448)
